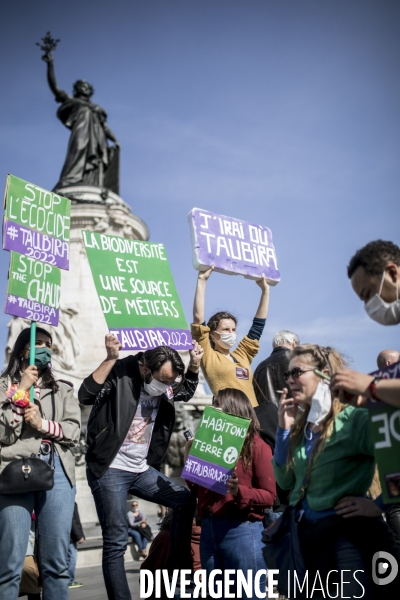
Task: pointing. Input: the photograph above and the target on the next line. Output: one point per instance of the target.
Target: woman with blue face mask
(221, 367)
(48, 426)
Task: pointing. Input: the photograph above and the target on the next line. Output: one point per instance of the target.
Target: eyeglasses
(295, 373)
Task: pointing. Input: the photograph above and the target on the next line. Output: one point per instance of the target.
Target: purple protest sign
(36, 245)
(233, 246)
(146, 338)
(209, 475)
(28, 309)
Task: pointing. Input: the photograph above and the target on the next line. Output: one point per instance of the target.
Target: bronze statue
(90, 160)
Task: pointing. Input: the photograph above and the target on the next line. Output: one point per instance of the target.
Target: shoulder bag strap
(53, 404)
(260, 390)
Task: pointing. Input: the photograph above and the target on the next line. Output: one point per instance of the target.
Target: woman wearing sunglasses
(325, 455)
(221, 367)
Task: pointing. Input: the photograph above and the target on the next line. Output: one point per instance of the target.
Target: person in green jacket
(325, 455)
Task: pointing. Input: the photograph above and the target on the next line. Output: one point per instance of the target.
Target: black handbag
(25, 475)
(282, 549)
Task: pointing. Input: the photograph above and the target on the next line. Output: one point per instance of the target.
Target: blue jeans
(72, 558)
(271, 516)
(231, 544)
(54, 510)
(110, 494)
(140, 541)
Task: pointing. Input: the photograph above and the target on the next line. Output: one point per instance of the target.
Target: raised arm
(51, 78)
(93, 385)
(113, 347)
(262, 310)
(200, 296)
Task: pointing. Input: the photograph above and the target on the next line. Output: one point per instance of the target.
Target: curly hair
(319, 357)
(235, 402)
(374, 257)
(215, 320)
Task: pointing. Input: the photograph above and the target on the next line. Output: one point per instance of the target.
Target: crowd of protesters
(308, 449)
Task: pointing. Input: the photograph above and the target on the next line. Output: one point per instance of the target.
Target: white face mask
(226, 340)
(385, 313)
(321, 404)
(155, 388)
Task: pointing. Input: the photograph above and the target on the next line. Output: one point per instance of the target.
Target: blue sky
(284, 113)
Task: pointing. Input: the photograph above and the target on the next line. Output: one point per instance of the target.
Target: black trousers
(335, 543)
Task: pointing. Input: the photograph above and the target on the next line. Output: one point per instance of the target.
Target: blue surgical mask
(42, 357)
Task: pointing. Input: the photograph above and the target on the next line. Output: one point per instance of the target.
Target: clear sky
(284, 113)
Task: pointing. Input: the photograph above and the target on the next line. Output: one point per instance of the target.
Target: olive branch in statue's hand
(49, 44)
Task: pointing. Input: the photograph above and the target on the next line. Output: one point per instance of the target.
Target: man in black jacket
(129, 429)
(269, 373)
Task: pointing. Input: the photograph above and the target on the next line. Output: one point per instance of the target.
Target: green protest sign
(33, 290)
(385, 430)
(137, 293)
(36, 223)
(215, 449)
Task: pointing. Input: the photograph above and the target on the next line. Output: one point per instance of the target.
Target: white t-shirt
(132, 456)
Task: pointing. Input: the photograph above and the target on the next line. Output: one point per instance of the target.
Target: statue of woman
(88, 154)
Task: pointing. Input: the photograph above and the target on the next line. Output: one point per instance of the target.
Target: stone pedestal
(82, 325)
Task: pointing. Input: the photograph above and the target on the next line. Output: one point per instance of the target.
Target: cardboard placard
(234, 247)
(385, 430)
(36, 222)
(215, 449)
(33, 290)
(137, 293)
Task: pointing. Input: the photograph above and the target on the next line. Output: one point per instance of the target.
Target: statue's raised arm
(89, 155)
(48, 45)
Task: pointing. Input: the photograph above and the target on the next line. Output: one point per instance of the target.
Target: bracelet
(372, 389)
(18, 397)
(194, 367)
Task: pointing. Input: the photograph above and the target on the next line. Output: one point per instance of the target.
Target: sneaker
(75, 584)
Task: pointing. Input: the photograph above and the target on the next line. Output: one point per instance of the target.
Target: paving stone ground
(93, 584)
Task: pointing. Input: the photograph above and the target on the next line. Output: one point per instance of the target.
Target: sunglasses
(295, 373)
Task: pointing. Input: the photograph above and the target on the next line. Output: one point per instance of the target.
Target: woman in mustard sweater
(222, 368)
(325, 456)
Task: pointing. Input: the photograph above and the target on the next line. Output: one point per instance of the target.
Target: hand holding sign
(113, 346)
(204, 275)
(233, 484)
(195, 356)
(29, 377)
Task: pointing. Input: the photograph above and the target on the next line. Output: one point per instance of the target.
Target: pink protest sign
(233, 246)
